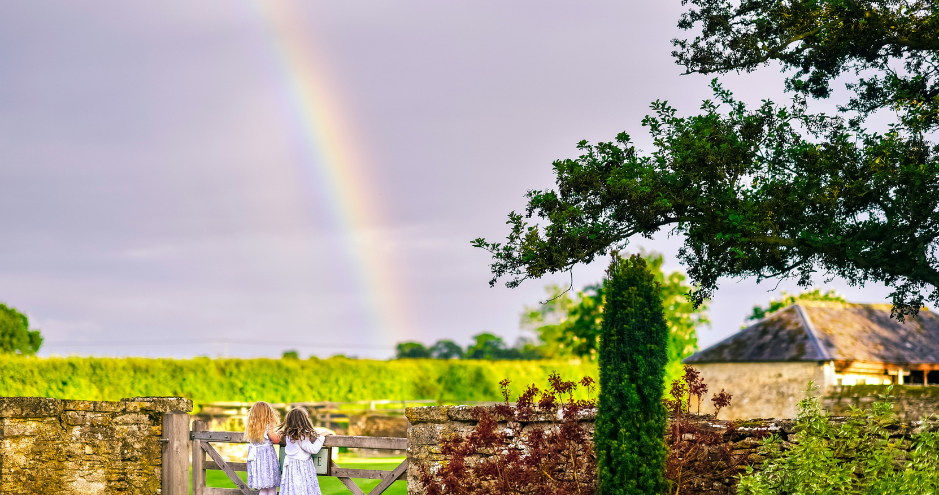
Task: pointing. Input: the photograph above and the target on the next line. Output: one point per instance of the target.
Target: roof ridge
(731, 338)
(810, 329)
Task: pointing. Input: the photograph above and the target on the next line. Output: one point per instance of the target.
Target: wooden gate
(202, 445)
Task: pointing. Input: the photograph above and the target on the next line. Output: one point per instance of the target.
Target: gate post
(175, 453)
(198, 457)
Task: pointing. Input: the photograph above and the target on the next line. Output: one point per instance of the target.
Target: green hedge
(275, 380)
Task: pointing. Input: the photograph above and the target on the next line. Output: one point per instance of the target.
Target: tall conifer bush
(630, 431)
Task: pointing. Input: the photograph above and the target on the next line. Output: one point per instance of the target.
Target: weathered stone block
(78, 405)
(75, 417)
(157, 404)
(29, 407)
(424, 434)
(132, 419)
(419, 450)
(461, 413)
(133, 407)
(103, 406)
(434, 414)
(12, 427)
(747, 443)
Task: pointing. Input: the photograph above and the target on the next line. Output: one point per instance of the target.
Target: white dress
(299, 476)
(263, 467)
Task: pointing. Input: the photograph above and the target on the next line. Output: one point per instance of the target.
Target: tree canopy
(569, 325)
(773, 191)
(15, 335)
(411, 350)
(446, 349)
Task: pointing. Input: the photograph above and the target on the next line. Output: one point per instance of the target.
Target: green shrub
(856, 456)
(275, 380)
(630, 430)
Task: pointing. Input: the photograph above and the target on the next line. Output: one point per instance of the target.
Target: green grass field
(332, 486)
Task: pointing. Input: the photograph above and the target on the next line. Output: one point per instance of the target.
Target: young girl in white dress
(263, 467)
(299, 477)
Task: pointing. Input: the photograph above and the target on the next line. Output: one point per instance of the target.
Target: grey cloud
(152, 183)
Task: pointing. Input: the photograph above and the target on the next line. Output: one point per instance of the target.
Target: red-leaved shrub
(540, 445)
(697, 453)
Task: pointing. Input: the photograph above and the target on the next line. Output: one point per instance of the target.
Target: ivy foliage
(630, 426)
(15, 335)
(569, 326)
(772, 191)
(857, 456)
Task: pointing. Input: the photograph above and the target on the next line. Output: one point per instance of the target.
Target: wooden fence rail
(202, 445)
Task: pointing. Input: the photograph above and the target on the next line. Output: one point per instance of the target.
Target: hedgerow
(275, 380)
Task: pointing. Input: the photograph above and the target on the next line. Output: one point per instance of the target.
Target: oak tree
(773, 191)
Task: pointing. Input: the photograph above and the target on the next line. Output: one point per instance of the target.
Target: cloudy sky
(212, 177)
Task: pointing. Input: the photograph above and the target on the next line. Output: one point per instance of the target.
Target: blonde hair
(297, 425)
(260, 417)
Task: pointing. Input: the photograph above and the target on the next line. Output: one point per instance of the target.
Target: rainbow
(330, 153)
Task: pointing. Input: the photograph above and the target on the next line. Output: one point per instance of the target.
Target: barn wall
(762, 390)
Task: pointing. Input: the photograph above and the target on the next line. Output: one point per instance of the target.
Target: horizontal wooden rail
(331, 440)
(218, 436)
(366, 442)
(223, 491)
(367, 474)
(281, 405)
(237, 466)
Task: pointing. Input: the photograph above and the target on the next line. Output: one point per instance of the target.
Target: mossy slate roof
(827, 332)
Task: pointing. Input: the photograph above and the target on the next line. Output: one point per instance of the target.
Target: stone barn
(768, 365)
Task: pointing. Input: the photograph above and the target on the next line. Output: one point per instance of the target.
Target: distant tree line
(568, 325)
(485, 346)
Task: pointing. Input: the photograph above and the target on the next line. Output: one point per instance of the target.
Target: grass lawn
(332, 486)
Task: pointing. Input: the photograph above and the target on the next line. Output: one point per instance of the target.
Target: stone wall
(910, 402)
(773, 390)
(430, 425)
(53, 446)
(762, 390)
(427, 428)
(744, 438)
